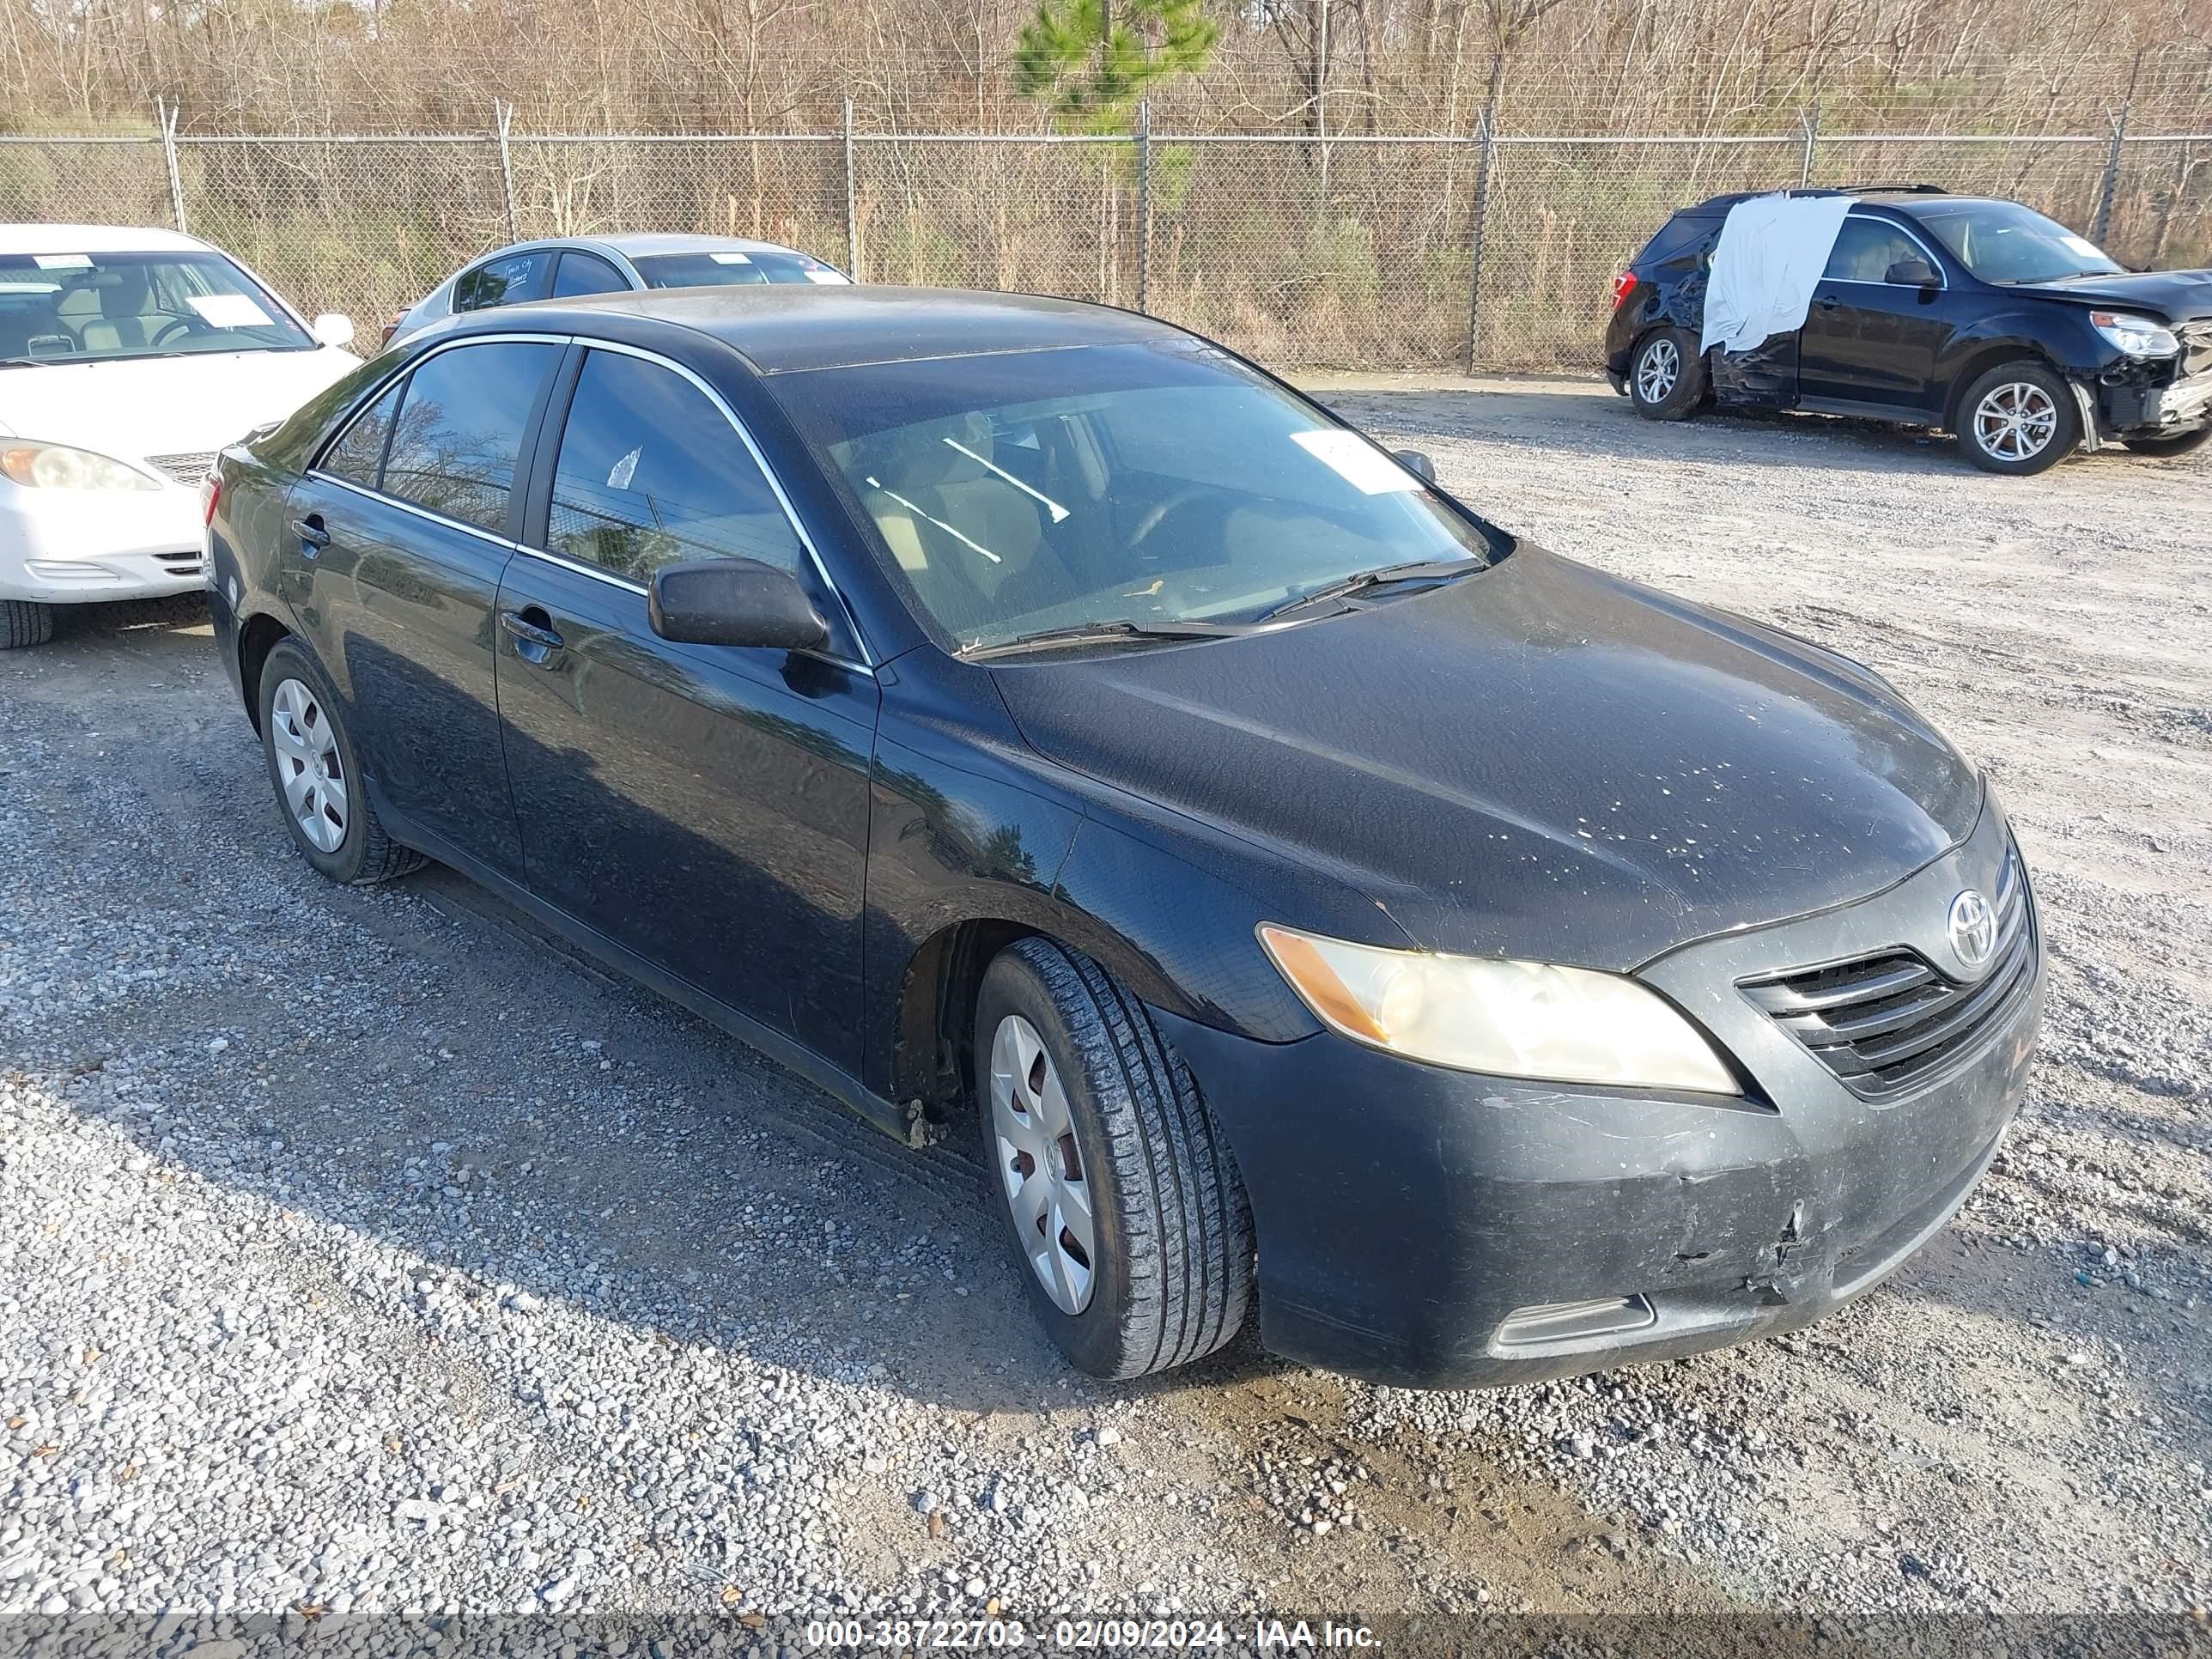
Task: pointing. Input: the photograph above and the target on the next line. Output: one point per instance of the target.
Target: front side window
(74, 308)
(734, 270)
(1865, 249)
(358, 455)
(651, 471)
(504, 282)
(586, 273)
(458, 433)
(2005, 242)
(1019, 493)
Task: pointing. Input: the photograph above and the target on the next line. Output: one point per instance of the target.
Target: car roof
(96, 239)
(784, 328)
(636, 244)
(1904, 197)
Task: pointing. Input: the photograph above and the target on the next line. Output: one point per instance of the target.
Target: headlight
(57, 466)
(2139, 337)
(1513, 1018)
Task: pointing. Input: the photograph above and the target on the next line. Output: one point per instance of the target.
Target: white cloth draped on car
(1772, 251)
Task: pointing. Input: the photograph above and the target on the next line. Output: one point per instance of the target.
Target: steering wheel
(1160, 511)
(175, 324)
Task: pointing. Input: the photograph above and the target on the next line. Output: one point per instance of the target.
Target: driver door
(1870, 345)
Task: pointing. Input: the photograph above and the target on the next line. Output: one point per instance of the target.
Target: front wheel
(318, 779)
(1125, 1209)
(2018, 419)
(2180, 444)
(25, 622)
(1667, 376)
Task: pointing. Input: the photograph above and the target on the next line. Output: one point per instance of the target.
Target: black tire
(25, 622)
(364, 854)
(1667, 362)
(2063, 434)
(1172, 1277)
(2180, 444)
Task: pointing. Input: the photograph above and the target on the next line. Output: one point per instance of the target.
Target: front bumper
(1435, 1228)
(78, 546)
(2153, 411)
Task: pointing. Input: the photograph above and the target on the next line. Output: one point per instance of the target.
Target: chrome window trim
(1942, 277)
(776, 485)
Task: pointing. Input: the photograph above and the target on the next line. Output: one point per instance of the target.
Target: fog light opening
(1542, 1324)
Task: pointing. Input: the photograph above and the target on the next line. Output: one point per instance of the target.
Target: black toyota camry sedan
(999, 705)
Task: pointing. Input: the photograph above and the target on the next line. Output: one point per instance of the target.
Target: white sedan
(128, 357)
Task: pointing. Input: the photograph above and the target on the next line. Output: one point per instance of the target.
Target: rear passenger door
(703, 807)
(404, 523)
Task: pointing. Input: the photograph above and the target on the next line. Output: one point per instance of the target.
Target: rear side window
(586, 273)
(504, 281)
(459, 429)
(651, 471)
(359, 452)
(1677, 238)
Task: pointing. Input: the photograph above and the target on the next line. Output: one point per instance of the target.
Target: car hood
(134, 408)
(1539, 761)
(2180, 296)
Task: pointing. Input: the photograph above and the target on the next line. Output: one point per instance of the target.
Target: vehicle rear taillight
(1623, 286)
(211, 493)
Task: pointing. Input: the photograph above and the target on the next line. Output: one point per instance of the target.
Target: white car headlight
(57, 466)
(1511, 1019)
(2139, 337)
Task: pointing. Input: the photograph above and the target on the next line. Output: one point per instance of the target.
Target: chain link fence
(1351, 252)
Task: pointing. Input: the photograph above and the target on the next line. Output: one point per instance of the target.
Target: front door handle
(313, 538)
(535, 641)
(1828, 302)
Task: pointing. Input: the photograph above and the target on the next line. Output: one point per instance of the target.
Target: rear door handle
(1829, 301)
(534, 638)
(313, 538)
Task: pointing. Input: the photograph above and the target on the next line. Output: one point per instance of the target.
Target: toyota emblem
(1974, 928)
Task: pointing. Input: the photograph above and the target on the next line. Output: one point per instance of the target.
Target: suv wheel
(318, 779)
(2179, 444)
(1122, 1201)
(25, 622)
(2018, 418)
(1665, 374)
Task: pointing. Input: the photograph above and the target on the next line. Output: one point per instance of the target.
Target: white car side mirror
(333, 329)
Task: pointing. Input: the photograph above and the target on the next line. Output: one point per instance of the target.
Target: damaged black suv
(1973, 315)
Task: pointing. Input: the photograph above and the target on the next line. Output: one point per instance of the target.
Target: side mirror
(332, 329)
(1414, 461)
(734, 602)
(1912, 273)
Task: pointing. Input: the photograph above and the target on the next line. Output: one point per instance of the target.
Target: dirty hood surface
(2180, 296)
(1537, 760)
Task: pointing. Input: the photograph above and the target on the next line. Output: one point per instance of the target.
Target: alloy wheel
(1657, 370)
(308, 767)
(2015, 422)
(1041, 1165)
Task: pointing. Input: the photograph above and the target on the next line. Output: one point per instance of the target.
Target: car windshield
(731, 270)
(66, 307)
(1027, 492)
(2005, 242)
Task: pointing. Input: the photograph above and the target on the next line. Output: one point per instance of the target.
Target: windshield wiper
(1120, 629)
(1419, 570)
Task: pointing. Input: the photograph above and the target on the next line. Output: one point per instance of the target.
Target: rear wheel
(1122, 1201)
(2180, 444)
(2019, 418)
(1665, 374)
(25, 622)
(317, 777)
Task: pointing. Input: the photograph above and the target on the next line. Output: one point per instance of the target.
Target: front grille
(1890, 1021)
(2196, 347)
(190, 471)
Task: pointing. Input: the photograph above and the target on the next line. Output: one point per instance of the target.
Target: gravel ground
(366, 1251)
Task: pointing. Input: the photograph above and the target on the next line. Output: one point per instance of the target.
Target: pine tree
(1093, 59)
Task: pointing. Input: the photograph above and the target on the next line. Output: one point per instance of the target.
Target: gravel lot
(365, 1250)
